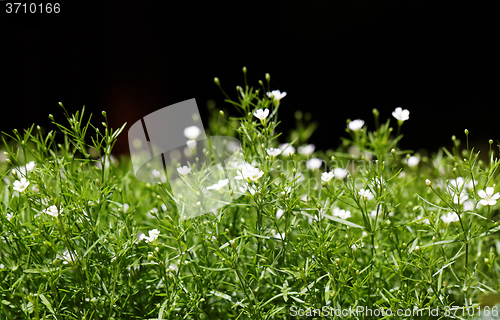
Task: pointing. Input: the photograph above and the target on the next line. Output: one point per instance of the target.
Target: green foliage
(71, 244)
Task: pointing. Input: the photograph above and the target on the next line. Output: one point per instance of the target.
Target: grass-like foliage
(365, 225)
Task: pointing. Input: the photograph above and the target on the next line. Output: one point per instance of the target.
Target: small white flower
(35, 189)
(21, 185)
(219, 185)
(424, 221)
(469, 205)
(412, 161)
(428, 182)
(30, 166)
(10, 215)
(156, 173)
(261, 114)
(366, 194)
(141, 237)
(184, 170)
(249, 173)
(450, 217)
(153, 235)
(460, 198)
(173, 268)
(279, 235)
(66, 257)
(400, 114)
(279, 213)
(356, 125)
(191, 144)
(125, 207)
(250, 190)
(341, 213)
(314, 163)
(277, 95)
(326, 176)
(489, 199)
(340, 173)
(52, 211)
(273, 152)
(287, 149)
(192, 132)
(306, 150)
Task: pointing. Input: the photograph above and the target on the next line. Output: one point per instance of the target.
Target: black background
(335, 59)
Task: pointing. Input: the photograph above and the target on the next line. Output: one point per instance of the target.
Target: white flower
(314, 163)
(249, 173)
(153, 235)
(428, 182)
(340, 173)
(341, 213)
(450, 217)
(277, 95)
(400, 114)
(66, 257)
(460, 198)
(489, 199)
(191, 144)
(21, 185)
(279, 213)
(141, 237)
(184, 170)
(35, 189)
(173, 268)
(10, 215)
(424, 221)
(366, 194)
(30, 166)
(287, 149)
(356, 125)
(326, 176)
(279, 235)
(192, 132)
(125, 207)
(156, 173)
(219, 185)
(261, 114)
(273, 152)
(246, 188)
(469, 205)
(413, 161)
(52, 211)
(306, 150)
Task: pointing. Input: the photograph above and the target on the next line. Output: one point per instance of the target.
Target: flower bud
(198, 204)
(221, 113)
(268, 77)
(216, 81)
(51, 117)
(104, 113)
(466, 132)
(428, 182)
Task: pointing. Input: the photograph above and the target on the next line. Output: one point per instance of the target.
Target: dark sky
(336, 59)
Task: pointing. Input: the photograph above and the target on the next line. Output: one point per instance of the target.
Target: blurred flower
(326, 176)
(412, 161)
(273, 152)
(261, 114)
(400, 114)
(10, 215)
(156, 173)
(341, 213)
(219, 185)
(306, 150)
(366, 194)
(21, 185)
(450, 217)
(153, 235)
(424, 221)
(489, 199)
(192, 132)
(184, 170)
(52, 211)
(460, 198)
(279, 213)
(340, 173)
(125, 207)
(356, 125)
(314, 163)
(287, 149)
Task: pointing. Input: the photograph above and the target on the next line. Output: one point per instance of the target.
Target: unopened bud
(428, 182)
(216, 81)
(466, 132)
(221, 113)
